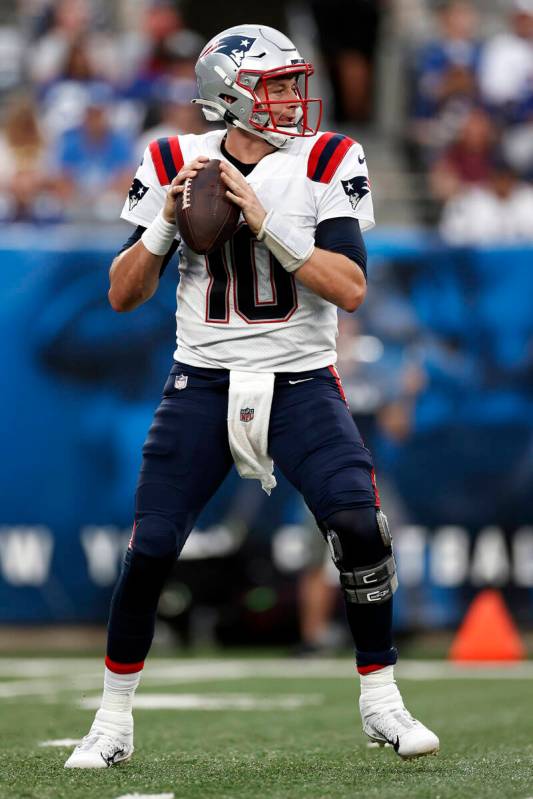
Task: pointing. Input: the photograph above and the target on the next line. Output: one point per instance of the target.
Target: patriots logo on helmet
(136, 193)
(356, 188)
(236, 47)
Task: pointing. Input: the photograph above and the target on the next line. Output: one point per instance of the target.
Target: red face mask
(299, 109)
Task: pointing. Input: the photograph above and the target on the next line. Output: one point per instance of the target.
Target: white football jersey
(237, 307)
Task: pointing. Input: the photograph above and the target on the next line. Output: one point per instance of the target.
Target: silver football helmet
(233, 71)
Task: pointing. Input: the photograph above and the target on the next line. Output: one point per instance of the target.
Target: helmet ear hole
(228, 98)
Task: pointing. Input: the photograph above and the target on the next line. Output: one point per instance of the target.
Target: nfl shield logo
(247, 414)
(180, 382)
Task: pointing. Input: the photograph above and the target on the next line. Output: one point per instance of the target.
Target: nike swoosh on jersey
(361, 160)
(304, 380)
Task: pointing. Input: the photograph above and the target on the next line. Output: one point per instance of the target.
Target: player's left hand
(241, 193)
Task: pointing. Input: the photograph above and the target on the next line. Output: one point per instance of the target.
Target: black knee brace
(361, 547)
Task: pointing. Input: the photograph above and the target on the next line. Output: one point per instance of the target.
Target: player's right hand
(190, 170)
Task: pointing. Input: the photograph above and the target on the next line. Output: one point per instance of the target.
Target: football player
(253, 377)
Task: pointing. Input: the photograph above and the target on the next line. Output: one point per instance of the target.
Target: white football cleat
(109, 741)
(390, 722)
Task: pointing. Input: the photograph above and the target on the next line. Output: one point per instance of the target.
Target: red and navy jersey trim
(167, 158)
(326, 156)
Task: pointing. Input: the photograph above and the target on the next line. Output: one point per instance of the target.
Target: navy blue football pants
(313, 440)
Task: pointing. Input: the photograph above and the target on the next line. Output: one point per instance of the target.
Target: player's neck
(245, 147)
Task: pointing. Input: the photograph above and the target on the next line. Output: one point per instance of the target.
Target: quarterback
(253, 380)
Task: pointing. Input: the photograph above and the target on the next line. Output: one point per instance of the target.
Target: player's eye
(279, 90)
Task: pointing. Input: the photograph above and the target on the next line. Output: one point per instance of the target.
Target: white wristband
(291, 246)
(159, 235)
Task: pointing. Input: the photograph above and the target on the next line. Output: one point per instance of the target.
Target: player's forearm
(335, 278)
(134, 277)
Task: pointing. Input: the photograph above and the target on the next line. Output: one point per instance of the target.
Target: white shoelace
(387, 723)
(106, 744)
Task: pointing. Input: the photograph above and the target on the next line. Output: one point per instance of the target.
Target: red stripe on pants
(375, 487)
(339, 383)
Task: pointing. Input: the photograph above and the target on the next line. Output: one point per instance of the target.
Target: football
(205, 217)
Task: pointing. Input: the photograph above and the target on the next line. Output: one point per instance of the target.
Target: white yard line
(213, 702)
(47, 688)
(50, 677)
(147, 796)
(46, 667)
(61, 742)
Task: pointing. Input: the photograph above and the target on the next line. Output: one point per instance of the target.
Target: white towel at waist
(249, 404)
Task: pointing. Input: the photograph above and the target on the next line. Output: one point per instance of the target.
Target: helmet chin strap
(278, 140)
(215, 112)
(212, 111)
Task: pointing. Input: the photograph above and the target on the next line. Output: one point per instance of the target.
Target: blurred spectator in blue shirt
(176, 60)
(445, 78)
(95, 161)
(148, 49)
(63, 98)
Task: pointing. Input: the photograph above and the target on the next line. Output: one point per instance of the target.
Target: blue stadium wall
(79, 385)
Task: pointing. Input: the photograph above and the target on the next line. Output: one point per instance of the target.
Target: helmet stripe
(326, 156)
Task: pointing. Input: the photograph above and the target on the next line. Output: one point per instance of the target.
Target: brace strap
(371, 584)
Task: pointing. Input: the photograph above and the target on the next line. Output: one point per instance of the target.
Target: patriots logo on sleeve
(136, 193)
(236, 47)
(356, 188)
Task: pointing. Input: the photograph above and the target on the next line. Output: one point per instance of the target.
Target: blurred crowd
(85, 85)
(471, 122)
(79, 101)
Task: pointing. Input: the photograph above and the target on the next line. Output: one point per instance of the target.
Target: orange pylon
(487, 631)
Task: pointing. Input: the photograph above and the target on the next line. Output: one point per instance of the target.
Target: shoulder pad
(167, 158)
(326, 156)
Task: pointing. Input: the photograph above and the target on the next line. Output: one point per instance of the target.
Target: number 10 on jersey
(236, 264)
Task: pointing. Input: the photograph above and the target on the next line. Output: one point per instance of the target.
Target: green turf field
(272, 729)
